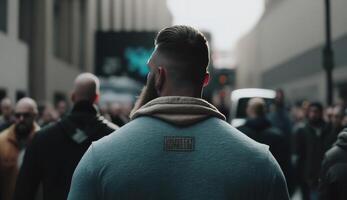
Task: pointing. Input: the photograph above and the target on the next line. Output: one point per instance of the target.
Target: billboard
(123, 53)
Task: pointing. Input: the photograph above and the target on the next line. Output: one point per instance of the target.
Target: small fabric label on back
(179, 143)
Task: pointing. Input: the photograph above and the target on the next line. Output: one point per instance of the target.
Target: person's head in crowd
(305, 104)
(86, 88)
(6, 108)
(337, 116)
(328, 114)
(344, 119)
(315, 113)
(256, 108)
(178, 65)
(25, 112)
(48, 115)
(279, 99)
(61, 107)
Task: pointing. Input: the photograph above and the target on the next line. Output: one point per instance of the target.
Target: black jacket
(56, 150)
(333, 179)
(261, 130)
(310, 145)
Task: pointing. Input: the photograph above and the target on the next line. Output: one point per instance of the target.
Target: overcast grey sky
(226, 20)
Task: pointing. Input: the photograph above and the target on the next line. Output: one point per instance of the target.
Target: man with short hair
(336, 126)
(177, 145)
(7, 118)
(56, 150)
(61, 108)
(259, 128)
(13, 142)
(310, 147)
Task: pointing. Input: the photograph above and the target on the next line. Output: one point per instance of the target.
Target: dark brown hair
(187, 52)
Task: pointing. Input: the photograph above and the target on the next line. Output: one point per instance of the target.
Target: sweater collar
(178, 110)
(84, 107)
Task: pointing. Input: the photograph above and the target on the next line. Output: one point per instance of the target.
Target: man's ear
(73, 97)
(96, 98)
(206, 79)
(160, 79)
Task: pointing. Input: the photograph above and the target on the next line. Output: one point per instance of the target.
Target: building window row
(3, 15)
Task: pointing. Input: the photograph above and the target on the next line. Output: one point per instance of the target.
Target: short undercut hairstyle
(186, 51)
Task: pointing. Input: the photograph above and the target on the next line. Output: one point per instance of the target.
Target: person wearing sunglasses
(57, 148)
(13, 142)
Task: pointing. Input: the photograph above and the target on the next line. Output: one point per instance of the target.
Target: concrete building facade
(44, 44)
(284, 50)
(13, 53)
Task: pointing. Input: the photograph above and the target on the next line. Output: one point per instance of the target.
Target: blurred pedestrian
(259, 128)
(279, 118)
(336, 126)
(177, 145)
(13, 142)
(310, 147)
(7, 118)
(57, 149)
(333, 180)
(62, 108)
(48, 116)
(328, 114)
(117, 115)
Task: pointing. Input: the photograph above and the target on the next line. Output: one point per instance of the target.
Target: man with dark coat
(177, 146)
(310, 142)
(57, 149)
(279, 118)
(333, 179)
(260, 129)
(336, 126)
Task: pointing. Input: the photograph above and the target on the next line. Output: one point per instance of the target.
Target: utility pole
(328, 55)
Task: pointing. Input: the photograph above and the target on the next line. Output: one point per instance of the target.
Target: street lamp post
(328, 55)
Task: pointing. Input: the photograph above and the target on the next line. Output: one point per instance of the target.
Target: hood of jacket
(178, 110)
(342, 139)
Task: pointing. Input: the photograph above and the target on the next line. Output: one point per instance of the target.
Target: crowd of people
(300, 138)
(172, 144)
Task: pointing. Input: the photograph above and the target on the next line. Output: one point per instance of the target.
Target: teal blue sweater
(209, 160)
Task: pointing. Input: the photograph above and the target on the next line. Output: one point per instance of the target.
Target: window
(82, 31)
(3, 15)
(62, 29)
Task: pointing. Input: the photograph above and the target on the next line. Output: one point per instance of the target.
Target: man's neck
(182, 92)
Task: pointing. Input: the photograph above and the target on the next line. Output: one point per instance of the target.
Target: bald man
(13, 142)
(7, 117)
(56, 150)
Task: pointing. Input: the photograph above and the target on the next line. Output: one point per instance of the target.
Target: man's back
(333, 179)
(56, 150)
(152, 159)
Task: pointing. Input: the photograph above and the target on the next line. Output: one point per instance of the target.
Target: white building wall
(287, 30)
(105, 15)
(13, 65)
(60, 74)
(13, 55)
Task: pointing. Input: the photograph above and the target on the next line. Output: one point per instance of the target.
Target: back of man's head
(256, 108)
(86, 88)
(186, 54)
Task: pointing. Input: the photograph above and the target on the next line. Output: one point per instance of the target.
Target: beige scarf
(178, 110)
